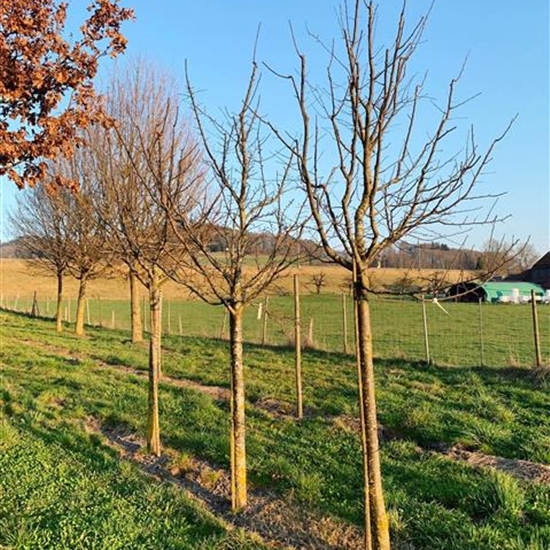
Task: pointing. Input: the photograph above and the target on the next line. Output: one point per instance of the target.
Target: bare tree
(42, 227)
(436, 282)
(525, 258)
(148, 150)
(404, 285)
(60, 231)
(319, 281)
(108, 205)
(499, 257)
(88, 254)
(374, 175)
(242, 201)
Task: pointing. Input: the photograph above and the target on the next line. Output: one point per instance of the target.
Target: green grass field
(62, 487)
(463, 334)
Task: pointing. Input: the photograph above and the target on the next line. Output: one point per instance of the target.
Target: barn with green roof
(496, 291)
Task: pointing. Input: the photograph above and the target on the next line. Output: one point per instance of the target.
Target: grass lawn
(62, 487)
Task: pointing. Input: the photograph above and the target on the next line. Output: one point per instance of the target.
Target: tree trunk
(238, 449)
(137, 330)
(59, 307)
(376, 519)
(80, 306)
(153, 427)
(362, 416)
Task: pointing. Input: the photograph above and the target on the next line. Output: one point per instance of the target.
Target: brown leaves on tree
(46, 82)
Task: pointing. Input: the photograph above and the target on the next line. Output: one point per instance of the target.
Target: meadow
(458, 334)
(62, 485)
(22, 278)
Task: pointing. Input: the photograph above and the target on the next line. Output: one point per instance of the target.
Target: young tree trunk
(374, 497)
(137, 330)
(238, 449)
(59, 307)
(35, 310)
(153, 427)
(80, 306)
(362, 416)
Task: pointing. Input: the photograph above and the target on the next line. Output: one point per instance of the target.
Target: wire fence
(450, 333)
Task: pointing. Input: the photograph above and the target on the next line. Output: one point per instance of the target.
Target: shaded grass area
(435, 503)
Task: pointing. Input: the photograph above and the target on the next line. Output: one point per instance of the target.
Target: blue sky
(506, 42)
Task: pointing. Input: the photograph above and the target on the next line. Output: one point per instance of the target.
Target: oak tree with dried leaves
(46, 81)
(375, 174)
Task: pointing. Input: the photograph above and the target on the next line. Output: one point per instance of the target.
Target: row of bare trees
(153, 196)
(159, 190)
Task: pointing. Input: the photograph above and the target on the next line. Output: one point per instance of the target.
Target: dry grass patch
(20, 278)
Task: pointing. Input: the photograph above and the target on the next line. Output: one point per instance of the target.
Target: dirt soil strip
(278, 522)
(522, 469)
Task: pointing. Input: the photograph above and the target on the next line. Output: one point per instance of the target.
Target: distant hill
(12, 249)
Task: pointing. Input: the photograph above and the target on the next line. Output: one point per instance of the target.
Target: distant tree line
(406, 255)
(440, 256)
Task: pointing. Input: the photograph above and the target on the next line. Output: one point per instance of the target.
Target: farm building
(496, 291)
(540, 272)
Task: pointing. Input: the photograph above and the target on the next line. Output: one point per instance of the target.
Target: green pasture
(61, 487)
(458, 333)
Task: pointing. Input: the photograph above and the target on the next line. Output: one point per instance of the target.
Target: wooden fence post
(161, 312)
(100, 312)
(112, 318)
(298, 347)
(145, 316)
(224, 323)
(264, 326)
(536, 333)
(180, 323)
(345, 323)
(481, 348)
(88, 311)
(309, 340)
(426, 337)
